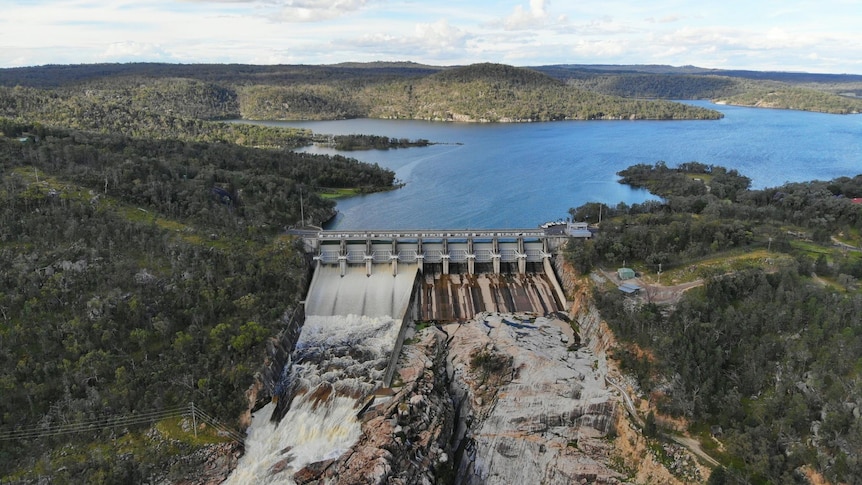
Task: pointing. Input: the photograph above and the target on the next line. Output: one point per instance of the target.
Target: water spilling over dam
(344, 353)
(363, 296)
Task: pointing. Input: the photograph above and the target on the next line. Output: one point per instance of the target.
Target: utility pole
(659, 273)
(194, 419)
(301, 209)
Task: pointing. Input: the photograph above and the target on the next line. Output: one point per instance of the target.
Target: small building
(630, 288)
(578, 229)
(626, 273)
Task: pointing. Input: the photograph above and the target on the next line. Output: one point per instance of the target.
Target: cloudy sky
(788, 35)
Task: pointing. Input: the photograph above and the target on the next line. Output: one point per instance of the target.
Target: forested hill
(141, 274)
(829, 93)
(494, 92)
(760, 351)
(52, 76)
(481, 92)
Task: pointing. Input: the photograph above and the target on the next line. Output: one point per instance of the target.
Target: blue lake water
(520, 175)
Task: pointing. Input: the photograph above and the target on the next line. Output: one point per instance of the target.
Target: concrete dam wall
(450, 275)
(432, 296)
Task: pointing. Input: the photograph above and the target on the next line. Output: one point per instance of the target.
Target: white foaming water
(344, 353)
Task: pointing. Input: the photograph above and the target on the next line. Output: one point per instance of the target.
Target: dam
(456, 273)
(366, 290)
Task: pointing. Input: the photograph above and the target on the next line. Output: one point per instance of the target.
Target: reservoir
(523, 174)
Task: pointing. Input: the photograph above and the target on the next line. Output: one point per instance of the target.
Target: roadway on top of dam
(434, 234)
(579, 230)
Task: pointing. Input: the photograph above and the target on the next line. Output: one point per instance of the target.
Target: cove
(522, 174)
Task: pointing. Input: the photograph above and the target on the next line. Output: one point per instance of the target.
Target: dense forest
(369, 142)
(481, 92)
(800, 98)
(169, 94)
(142, 274)
(828, 93)
(145, 266)
(769, 347)
(161, 101)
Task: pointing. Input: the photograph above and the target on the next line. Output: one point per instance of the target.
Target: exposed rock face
(535, 406)
(278, 353)
(210, 465)
(504, 398)
(404, 439)
(508, 400)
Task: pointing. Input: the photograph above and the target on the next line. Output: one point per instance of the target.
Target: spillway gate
(466, 248)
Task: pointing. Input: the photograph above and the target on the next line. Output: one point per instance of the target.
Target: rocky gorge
(506, 398)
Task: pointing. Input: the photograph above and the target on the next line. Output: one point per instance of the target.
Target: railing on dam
(433, 246)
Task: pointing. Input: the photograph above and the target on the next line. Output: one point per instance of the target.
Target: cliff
(507, 398)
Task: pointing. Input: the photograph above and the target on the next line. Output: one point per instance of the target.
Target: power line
(109, 422)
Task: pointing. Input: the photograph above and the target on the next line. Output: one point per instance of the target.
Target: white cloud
(536, 15)
(527, 32)
(316, 10)
(440, 36)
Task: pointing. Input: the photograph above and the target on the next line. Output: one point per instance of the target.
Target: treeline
(145, 108)
(156, 104)
(141, 275)
(707, 208)
(373, 142)
(480, 92)
(828, 93)
(799, 98)
(178, 179)
(52, 76)
(769, 355)
(661, 86)
(493, 92)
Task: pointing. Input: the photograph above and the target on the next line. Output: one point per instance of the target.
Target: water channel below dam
(348, 348)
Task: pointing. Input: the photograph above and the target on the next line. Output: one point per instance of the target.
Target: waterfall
(338, 361)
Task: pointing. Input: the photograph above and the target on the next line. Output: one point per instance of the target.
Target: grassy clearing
(704, 177)
(813, 249)
(339, 193)
(852, 237)
(717, 264)
(180, 429)
(40, 185)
